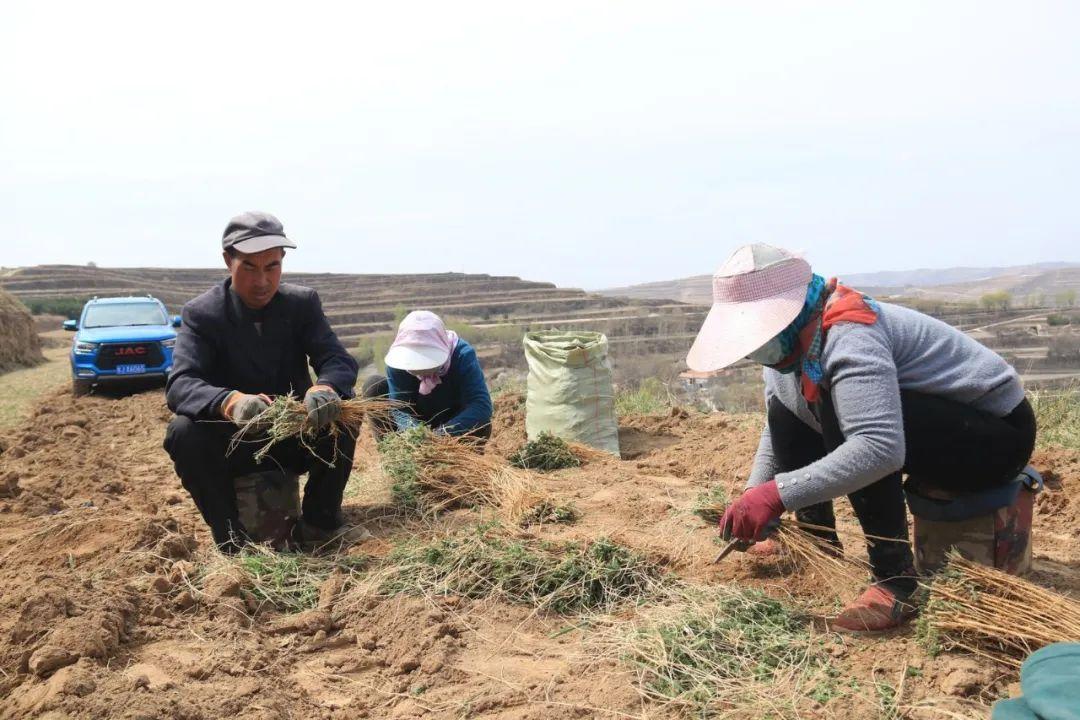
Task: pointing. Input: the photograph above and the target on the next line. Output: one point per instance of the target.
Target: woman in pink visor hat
(857, 393)
(437, 378)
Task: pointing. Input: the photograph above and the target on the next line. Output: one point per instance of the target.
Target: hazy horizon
(590, 145)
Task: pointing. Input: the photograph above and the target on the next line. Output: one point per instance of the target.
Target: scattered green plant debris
(597, 575)
(546, 452)
(547, 513)
(289, 582)
(729, 648)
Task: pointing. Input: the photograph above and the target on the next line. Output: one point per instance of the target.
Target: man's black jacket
(219, 349)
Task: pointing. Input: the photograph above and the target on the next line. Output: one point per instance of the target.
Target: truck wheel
(80, 387)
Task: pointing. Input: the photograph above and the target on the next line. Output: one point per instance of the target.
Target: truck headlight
(168, 343)
(85, 348)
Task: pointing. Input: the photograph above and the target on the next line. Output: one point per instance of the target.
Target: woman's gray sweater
(865, 367)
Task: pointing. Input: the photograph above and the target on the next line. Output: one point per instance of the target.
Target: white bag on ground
(570, 391)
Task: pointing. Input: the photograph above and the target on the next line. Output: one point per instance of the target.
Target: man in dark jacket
(241, 342)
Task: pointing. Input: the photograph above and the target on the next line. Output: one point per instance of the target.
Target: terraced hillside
(366, 305)
(1054, 284)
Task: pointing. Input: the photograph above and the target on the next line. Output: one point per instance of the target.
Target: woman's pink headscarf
(425, 329)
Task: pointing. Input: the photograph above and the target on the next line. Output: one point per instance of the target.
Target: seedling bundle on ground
(433, 472)
(994, 614)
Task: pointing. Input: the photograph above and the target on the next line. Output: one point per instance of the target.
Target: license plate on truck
(130, 369)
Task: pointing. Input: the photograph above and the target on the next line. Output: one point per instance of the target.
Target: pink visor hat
(757, 292)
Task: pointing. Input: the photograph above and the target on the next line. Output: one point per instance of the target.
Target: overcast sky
(592, 144)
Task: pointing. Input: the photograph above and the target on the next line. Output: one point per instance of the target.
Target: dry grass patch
(1057, 415)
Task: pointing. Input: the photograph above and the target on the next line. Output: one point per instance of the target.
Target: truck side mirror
(71, 325)
(176, 321)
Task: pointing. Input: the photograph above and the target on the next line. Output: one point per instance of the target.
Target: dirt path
(101, 549)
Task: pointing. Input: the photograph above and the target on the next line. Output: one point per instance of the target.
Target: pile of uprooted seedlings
(598, 575)
(432, 472)
(546, 452)
(286, 417)
(993, 614)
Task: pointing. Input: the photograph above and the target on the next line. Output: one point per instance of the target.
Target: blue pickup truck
(121, 339)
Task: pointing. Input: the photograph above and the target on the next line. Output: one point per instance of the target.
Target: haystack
(19, 342)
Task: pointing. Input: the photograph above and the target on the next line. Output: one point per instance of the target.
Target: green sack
(570, 392)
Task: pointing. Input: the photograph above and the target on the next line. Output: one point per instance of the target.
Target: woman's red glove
(748, 517)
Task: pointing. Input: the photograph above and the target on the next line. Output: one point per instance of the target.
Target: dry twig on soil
(994, 614)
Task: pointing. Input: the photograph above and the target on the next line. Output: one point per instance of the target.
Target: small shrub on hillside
(398, 456)
(372, 349)
(1057, 320)
(69, 307)
(1057, 416)
(597, 575)
(650, 397)
(546, 452)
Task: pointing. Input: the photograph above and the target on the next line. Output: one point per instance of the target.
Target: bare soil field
(114, 605)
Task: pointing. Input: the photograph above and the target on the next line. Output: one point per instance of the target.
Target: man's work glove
(323, 407)
(749, 517)
(242, 408)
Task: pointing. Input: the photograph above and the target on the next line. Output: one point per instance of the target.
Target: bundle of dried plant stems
(816, 554)
(996, 615)
(286, 417)
(452, 471)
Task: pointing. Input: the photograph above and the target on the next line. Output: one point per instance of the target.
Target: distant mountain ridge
(955, 283)
(930, 277)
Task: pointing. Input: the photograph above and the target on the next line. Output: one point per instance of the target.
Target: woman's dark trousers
(950, 446)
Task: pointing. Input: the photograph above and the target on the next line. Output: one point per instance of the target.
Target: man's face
(255, 278)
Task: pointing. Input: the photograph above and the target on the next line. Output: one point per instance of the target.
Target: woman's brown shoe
(876, 610)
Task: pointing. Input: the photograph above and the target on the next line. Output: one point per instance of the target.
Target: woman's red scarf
(839, 304)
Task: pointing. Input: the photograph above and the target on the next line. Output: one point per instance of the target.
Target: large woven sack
(570, 393)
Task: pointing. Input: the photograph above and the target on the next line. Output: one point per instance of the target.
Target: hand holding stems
(242, 408)
(323, 405)
(753, 515)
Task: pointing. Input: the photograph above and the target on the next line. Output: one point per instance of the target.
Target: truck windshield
(113, 315)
